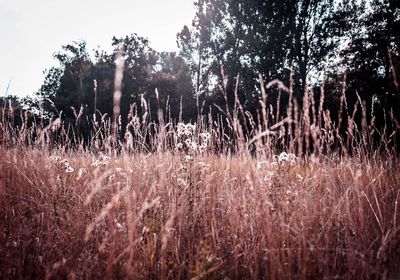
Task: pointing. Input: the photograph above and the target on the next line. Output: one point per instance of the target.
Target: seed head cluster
(63, 163)
(189, 141)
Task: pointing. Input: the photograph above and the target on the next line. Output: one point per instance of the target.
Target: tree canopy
(341, 46)
(83, 84)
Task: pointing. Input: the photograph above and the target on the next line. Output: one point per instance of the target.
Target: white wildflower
(181, 129)
(188, 158)
(268, 176)
(202, 148)
(188, 142)
(193, 146)
(145, 230)
(55, 158)
(64, 162)
(202, 165)
(261, 164)
(179, 146)
(182, 168)
(185, 130)
(299, 177)
(104, 160)
(69, 169)
(205, 136)
(285, 158)
(119, 227)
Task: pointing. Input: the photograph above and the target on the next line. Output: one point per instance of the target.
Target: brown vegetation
(167, 216)
(187, 201)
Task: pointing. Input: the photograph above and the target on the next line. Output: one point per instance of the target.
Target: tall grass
(281, 197)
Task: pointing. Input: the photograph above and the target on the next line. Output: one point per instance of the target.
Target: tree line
(345, 49)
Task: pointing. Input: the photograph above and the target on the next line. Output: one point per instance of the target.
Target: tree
(274, 38)
(172, 82)
(375, 43)
(140, 60)
(81, 87)
(69, 89)
(316, 35)
(66, 87)
(371, 57)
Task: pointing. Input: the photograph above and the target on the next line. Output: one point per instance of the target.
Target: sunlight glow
(31, 31)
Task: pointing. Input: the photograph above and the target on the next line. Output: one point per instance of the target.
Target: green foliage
(371, 58)
(82, 86)
(349, 48)
(174, 87)
(272, 37)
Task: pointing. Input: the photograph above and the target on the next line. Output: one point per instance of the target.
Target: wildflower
(188, 142)
(193, 146)
(181, 182)
(64, 162)
(179, 146)
(260, 164)
(55, 158)
(202, 165)
(104, 160)
(268, 176)
(188, 158)
(283, 157)
(203, 141)
(190, 129)
(69, 169)
(145, 230)
(120, 171)
(181, 129)
(188, 133)
(202, 148)
(185, 130)
(119, 227)
(182, 168)
(286, 158)
(299, 177)
(205, 136)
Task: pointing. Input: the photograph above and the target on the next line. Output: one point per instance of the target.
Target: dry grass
(214, 217)
(190, 202)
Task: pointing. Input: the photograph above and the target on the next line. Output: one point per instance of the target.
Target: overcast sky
(32, 30)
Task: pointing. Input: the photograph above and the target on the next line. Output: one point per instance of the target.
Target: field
(188, 210)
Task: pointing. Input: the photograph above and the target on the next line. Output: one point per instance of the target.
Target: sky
(31, 31)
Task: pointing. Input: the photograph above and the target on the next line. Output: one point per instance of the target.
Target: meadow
(192, 201)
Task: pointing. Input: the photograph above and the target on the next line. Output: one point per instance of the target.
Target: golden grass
(219, 199)
(169, 216)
